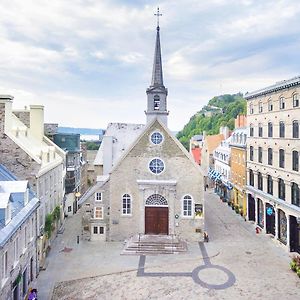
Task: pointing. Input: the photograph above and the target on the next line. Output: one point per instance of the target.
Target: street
(236, 263)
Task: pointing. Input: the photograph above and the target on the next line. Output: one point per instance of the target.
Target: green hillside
(224, 110)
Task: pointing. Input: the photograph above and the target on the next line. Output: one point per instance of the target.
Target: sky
(89, 62)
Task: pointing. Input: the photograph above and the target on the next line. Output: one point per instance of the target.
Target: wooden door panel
(156, 220)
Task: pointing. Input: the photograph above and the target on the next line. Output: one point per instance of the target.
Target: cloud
(95, 57)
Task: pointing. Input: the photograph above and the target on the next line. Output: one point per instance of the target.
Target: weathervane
(158, 14)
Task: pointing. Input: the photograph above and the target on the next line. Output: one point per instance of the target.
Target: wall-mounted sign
(198, 210)
(269, 211)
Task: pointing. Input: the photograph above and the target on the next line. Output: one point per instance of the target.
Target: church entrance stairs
(154, 245)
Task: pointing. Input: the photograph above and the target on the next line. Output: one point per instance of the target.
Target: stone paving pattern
(96, 270)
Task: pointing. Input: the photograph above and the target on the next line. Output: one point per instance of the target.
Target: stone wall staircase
(154, 245)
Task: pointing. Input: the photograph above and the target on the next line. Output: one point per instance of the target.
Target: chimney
(5, 112)
(37, 121)
(240, 121)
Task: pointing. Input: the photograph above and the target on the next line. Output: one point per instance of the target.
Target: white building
(273, 146)
(31, 156)
(222, 156)
(18, 237)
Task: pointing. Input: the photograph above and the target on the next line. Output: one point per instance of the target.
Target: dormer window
(156, 102)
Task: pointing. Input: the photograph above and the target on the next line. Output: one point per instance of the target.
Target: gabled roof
(169, 133)
(123, 135)
(13, 190)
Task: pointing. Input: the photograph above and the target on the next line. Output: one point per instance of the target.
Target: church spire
(157, 93)
(157, 74)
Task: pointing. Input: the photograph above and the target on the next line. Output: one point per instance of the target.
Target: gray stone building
(150, 185)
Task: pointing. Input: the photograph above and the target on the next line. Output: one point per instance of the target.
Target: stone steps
(154, 245)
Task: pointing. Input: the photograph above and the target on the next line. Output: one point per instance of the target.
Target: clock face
(156, 138)
(156, 166)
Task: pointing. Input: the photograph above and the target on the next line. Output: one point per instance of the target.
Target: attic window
(156, 102)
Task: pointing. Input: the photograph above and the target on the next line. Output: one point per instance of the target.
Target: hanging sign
(198, 210)
(269, 211)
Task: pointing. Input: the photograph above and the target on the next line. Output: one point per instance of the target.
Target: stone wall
(134, 167)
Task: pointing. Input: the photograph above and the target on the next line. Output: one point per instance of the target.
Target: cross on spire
(158, 14)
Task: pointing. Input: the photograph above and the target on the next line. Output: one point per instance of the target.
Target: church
(147, 182)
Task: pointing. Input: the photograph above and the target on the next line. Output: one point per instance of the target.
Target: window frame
(295, 129)
(163, 166)
(270, 185)
(295, 160)
(96, 196)
(127, 211)
(189, 206)
(281, 189)
(270, 129)
(260, 154)
(281, 129)
(281, 158)
(100, 208)
(295, 100)
(251, 153)
(270, 156)
(260, 130)
(295, 194)
(281, 102)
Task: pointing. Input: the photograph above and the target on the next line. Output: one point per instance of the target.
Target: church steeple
(157, 93)
(157, 74)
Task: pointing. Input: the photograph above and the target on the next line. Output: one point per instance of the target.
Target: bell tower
(157, 92)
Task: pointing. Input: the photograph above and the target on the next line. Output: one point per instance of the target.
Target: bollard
(77, 239)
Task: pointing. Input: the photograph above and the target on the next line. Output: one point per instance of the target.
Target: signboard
(198, 210)
(269, 211)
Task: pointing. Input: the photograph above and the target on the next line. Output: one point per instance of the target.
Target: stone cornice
(285, 84)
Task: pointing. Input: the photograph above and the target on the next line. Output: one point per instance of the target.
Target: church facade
(150, 186)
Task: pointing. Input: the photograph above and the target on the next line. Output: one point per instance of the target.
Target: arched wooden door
(156, 215)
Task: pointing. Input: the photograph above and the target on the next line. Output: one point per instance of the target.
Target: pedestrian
(33, 295)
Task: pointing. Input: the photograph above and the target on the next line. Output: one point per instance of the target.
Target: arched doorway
(251, 208)
(156, 215)
(270, 219)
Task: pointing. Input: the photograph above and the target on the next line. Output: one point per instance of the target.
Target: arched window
(260, 130)
(126, 204)
(251, 108)
(282, 226)
(251, 153)
(260, 106)
(281, 189)
(187, 204)
(260, 154)
(281, 158)
(259, 181)
(270, 156)
(281, 103)
(295, 100)
(251, 177)
(260, 213)
(295, 160)
(156, 200)
(270, 129)
(270, 185)
(156, 102)
(295, 129)
(281, 129)
(295, 194)
(251, 130)
(270, 105)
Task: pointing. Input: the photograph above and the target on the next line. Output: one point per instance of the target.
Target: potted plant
(295, 264)
(237, 209)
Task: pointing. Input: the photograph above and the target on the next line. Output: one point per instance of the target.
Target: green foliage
(56, 213)
(92, 145)
(48, 225)
(231, 105)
